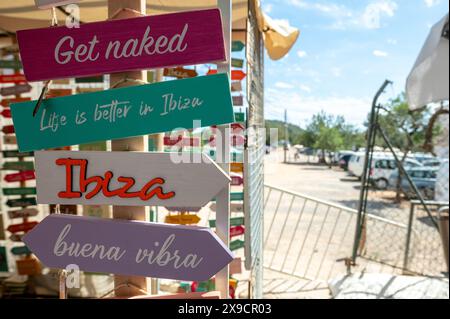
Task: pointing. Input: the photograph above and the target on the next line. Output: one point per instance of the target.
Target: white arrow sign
(126, 179)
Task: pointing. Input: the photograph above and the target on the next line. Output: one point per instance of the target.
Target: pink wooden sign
(149, 42)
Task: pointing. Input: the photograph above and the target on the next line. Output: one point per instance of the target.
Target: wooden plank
(3, 259)
(13, 78)
(15, 90)
(236, 86)
(16, 153)
(8, 102)
(182, 219)
(142, 249)
(124, 112)
(237, 46)
(20, 177)
(21, 202)
(237, 63)
(23, 227)
(9, 140)
(19, 191)
(154, 178)
(23, 213)
(29, 266)
(122, 45)
(10, 64)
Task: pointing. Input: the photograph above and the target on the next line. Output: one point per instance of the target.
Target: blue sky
(345, 51)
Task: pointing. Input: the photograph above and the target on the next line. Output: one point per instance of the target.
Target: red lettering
(102, 184)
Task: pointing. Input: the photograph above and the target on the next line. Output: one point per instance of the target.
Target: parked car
(355, 164)
(344, 160)
(422, 157)
(382, 169)
(435, 162)
(423, 177)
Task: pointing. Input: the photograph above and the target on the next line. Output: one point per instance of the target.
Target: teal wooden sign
(235, 221)
(16, 153)
(236, 244)
(237, 46)
(239, 116)
(20, 250)
(237, 63)
(19, 191)
(18, 166)
(125, 112)
(10, 64)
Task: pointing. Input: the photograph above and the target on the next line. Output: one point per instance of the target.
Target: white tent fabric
(23, 14)
(428, 81)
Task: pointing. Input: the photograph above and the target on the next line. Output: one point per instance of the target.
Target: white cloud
(380, 54)
(369, 18)
(392, 41)
(302, 54)
(431, 3)
(267, 8)
(301, 109)
(337, 72)
(284, 85)
(305, 88)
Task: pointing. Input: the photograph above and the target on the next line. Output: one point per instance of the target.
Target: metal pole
(366, 170)
(223, 155)
(408, 236)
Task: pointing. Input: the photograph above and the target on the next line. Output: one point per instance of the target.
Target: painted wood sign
(12, 78)
(236, 180)
(8, 129)
(238, 100)
(237, 167)
(23, 213)
(10, 64)
(236, 86)
(8, 102)
(23, 227)
(20, 177)
(16, 237)
(90, 79)
(3, 260)
(20, 250)
(21, 202)
(236, 75)
(122, 45)
(237, 46)
(124, 112)
(9, 140)
(234, 221)
(46, 4)
(2, 229)
(239, 116)
(15, 90)
(180, 73)
(237, 231)
(6, 113)
(182, 141)
(237, 63)
(142, 249)
(18, 166)
(19, 191)
(125, 178)
(58, 93)
(29, 266)
(182, 219)
(15, 153)
(236, 244)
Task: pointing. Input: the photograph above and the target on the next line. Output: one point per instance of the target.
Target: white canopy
(428, 81)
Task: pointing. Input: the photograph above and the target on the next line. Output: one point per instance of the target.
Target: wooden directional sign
(9, 140)
(23, 213)
(182, 141)
(124, 112)
(180, 73)
(237, 63)
(29, 266)
(20, 250)
(234, 207)
(182, 219)
(18, 166)
(8, 102)
(58, 93)
(239, 116)
(122, 45)
(237, 244)
(236, 180)
(234, 221)
(237, 167)
(3, 260)
(46, 4)
(20, 177)
(141, 249)
(15, 153)
(21, 202)
(15, 90)
(126, 179)
(16, 237)
(236, 86)
(23, 227)
(10, 64)
(8, 129)
(19, 191)
(90, 79)
(237, 46)
(237, 231)
(236, 75)
(6, 113)
(13, 78)
(238, 100)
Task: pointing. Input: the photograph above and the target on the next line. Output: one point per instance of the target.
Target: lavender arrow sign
(130, 248)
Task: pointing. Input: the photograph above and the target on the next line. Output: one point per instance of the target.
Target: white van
(356, 164)
(383, 167)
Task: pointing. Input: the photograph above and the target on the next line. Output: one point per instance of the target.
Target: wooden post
(223, 198)
(129, 144)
